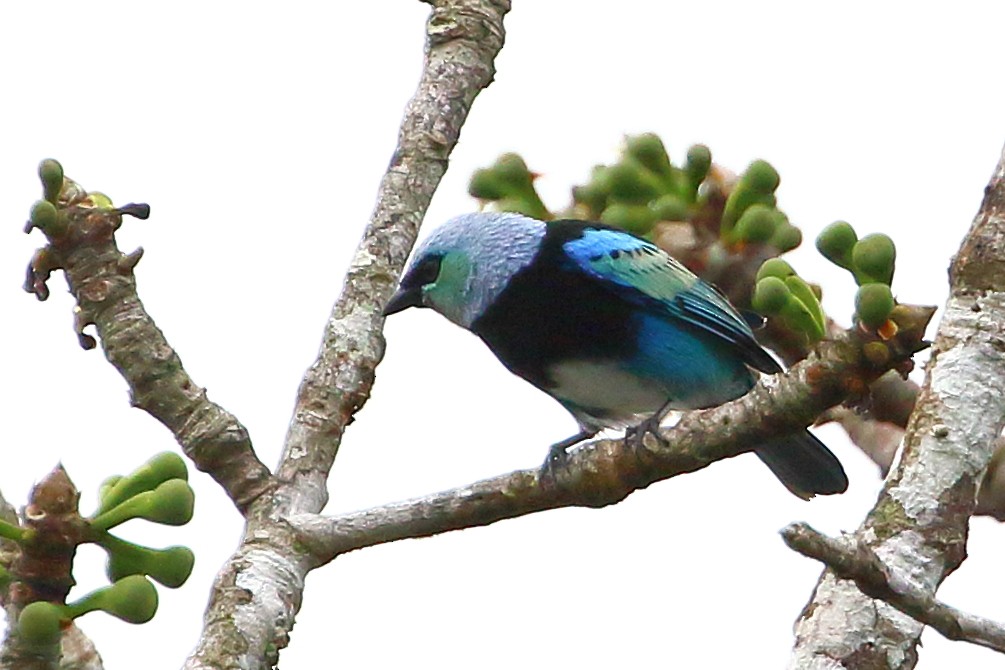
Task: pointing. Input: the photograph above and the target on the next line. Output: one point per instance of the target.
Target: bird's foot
(557, 455)
(635, 435)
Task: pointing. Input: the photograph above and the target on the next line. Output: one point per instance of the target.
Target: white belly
(604, 387)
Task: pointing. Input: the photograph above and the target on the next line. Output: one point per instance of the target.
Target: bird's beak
(403, 299)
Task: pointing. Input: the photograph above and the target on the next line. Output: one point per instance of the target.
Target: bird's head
(466, 263)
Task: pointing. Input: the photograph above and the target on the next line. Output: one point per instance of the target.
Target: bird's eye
(425, 272)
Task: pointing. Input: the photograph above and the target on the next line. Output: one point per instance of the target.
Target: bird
(605, 322)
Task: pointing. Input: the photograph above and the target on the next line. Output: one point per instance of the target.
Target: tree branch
(854, 561)
(463, 38)
(919, 524)
(101, 280)
(606, 471)
(257, 593)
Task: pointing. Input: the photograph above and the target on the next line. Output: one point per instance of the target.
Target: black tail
(804, 464)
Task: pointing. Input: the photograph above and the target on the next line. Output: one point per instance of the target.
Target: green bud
(648, 150)
(517, 184)
(591, 196)
(876, 353)
(637, 219)
(873, 304)
(511, 170)
(4, 578)
(739, 199)
(171, 566)
(873, 258)
(132, 599)
(757, 224)
(486, 185)
(106, 487)
(161, 468)
(835, 243)
(39, 623)
(770, 296)
(631, 183)
(51, 174)
(786, 237)
(45, 217)
(669, 207)
(98, 200)
(697, 165)
(521, 205)
(761, 177)
(171, 504)
(801, 291)
(774, 267)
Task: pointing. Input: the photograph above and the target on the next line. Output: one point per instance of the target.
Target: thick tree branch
(855, 561)
(258, 592)
(463, 38)
(101, 279)
(919, 524)
(606, 471)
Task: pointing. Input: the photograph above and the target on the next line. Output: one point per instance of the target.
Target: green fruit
(486, 185)
(836, 242)
(757, 224)
(171, 567)
(591, 196)
(637, 219)
(517, 183)
(171, 503)
(873, 258)
(873, 304)
(162, 467)
(801, 291)
(39, 623)
(630, 183)
(51, 174)
(774, 267)
(511, 170)
(521, 205)
(669, 207)
(697, 165)
(648, 150)
(786, 237)
(132, 599)
(45, 217)
(770, 296)
(106, 487)
(739, 199)
(761, 177)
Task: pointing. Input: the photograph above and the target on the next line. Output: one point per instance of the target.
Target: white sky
(259, 136)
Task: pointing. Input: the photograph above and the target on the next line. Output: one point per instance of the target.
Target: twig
(102, 281)
(606, 471)
(855, 561)
(919, 524)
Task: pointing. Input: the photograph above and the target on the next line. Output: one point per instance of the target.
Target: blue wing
(642, 273)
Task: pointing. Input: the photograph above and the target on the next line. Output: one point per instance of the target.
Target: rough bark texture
(918, 527)
(854, 561)
(101, 280)
(258, 592)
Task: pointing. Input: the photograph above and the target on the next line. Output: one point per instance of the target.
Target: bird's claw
(552, 464)
(635, 435)
(557, 455)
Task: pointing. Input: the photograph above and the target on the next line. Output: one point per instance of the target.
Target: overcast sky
(259, 134)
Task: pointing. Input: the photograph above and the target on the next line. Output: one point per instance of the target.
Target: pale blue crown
(496, 246)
